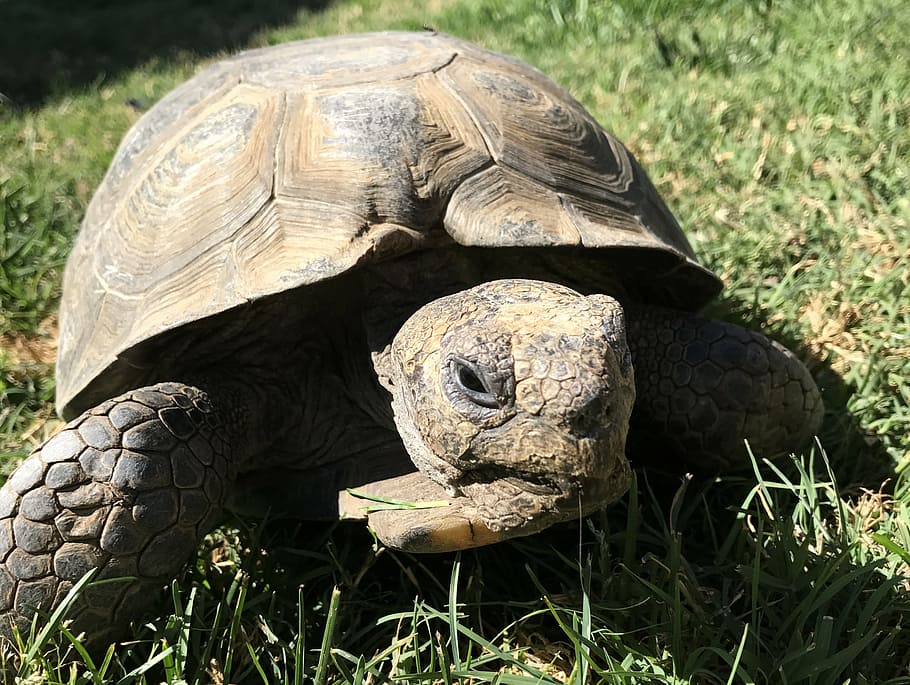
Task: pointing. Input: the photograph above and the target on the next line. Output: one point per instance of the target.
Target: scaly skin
(127, 488)
(550, 443)
(704, 387)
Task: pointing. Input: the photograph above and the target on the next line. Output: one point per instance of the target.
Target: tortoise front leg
(128, 488)
(704, 387)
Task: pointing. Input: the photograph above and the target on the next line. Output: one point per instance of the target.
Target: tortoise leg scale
(128, 488)
(704, 387)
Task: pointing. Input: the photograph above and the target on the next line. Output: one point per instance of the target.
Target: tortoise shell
(289, 165)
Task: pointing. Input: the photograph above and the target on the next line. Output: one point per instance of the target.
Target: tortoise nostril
(593, 420)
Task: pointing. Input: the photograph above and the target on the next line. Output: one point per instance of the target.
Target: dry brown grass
(41, 348)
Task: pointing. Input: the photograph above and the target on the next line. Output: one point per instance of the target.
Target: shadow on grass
(51, 47)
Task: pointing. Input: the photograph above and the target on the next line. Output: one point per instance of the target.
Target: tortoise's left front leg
(704, 387)
(127, 490)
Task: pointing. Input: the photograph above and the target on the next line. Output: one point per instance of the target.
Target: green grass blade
(300, 640)
(453, 610)
(328, 637)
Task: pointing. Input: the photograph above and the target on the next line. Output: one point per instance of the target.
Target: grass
(780, 134)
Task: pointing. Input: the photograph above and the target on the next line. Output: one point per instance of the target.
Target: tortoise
(396, 265)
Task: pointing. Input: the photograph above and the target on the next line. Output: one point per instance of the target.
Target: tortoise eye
(470, 383)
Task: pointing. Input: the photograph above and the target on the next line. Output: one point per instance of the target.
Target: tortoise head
(515, 397)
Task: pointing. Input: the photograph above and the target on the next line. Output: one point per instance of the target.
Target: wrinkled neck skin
(515, 394)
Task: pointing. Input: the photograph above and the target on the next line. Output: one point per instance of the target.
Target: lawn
(779, 133)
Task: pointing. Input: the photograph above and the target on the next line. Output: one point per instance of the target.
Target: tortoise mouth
(531, 482)
(506, 503)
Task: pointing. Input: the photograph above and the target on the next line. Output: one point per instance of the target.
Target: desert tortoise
(315, 260)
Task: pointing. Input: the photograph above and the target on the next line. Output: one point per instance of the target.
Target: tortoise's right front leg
(128, 488)
(706, 387)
